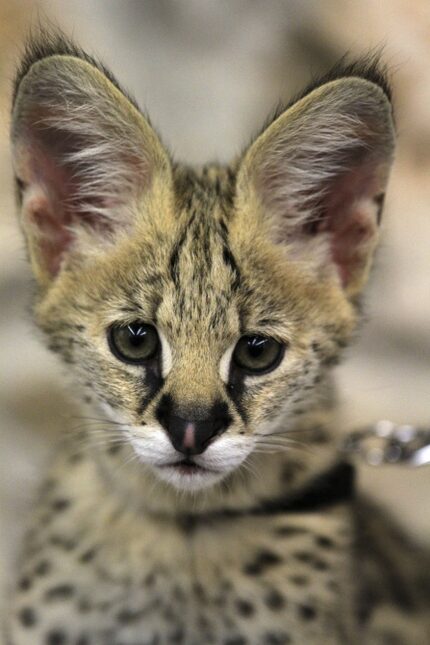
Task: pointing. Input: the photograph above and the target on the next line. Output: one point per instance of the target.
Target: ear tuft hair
(47, 42)
(368, 67)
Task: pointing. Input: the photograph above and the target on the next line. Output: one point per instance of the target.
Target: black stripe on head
(228, 257)
(176, 251)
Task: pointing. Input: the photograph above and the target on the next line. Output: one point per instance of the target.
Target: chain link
(387, 443)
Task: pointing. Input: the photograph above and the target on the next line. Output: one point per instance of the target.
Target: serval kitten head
(200, 308)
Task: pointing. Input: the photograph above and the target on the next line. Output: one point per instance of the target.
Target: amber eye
(258, 353)
(133, 343)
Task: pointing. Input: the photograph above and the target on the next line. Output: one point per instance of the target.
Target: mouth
(188, 467)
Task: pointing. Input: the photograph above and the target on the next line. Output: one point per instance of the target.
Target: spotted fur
(124, 548)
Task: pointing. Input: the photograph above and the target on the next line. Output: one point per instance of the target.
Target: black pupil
(257, 353)
(137, 335)
(135, 342)
(257, 346)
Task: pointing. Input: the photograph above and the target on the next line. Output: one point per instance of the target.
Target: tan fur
(206, 256)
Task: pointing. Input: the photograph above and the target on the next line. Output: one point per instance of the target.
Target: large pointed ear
(84, 156)
(317, 177)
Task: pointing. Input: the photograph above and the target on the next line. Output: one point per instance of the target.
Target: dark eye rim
(122, 357)
(265, 370)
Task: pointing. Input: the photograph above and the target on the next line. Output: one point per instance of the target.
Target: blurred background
(208, 72)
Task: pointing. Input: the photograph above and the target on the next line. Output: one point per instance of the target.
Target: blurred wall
(208, 72)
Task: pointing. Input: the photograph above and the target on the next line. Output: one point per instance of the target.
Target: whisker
(277, 437)
(95, 424)
(99, 432)
(252, 469)
(99, 438)
(284, 446)
(277, 442)
(101, 419)
(281, 441)
(290, 431)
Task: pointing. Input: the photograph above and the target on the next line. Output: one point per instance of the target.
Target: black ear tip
(369, 67)
(49, 40)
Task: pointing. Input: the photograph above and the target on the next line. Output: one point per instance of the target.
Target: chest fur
(129, 579)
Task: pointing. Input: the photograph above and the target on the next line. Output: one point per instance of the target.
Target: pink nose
(192, 433)
(189, 441)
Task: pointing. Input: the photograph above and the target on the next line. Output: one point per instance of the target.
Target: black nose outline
(208, 423)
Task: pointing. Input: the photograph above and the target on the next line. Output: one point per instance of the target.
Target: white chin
(222, 457)
(193, 480)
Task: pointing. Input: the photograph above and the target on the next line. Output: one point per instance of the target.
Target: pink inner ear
(46, 186)
(351, 240)
(53, 236)
(352, 212)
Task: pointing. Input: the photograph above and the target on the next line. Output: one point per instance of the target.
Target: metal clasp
(387, 443)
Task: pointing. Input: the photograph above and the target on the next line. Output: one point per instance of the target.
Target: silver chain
(387, 443)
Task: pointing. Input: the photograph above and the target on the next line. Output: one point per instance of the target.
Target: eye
(258, 353)
(133, 343)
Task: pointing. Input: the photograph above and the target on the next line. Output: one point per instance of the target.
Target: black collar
(334, 486)
(327, 489)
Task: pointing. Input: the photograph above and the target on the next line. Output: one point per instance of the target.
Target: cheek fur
(151, 444)
(166, 355)
(228, 453)
(282, 395)
(224, 366)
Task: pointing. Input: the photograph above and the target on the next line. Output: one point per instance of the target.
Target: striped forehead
(202, 266)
